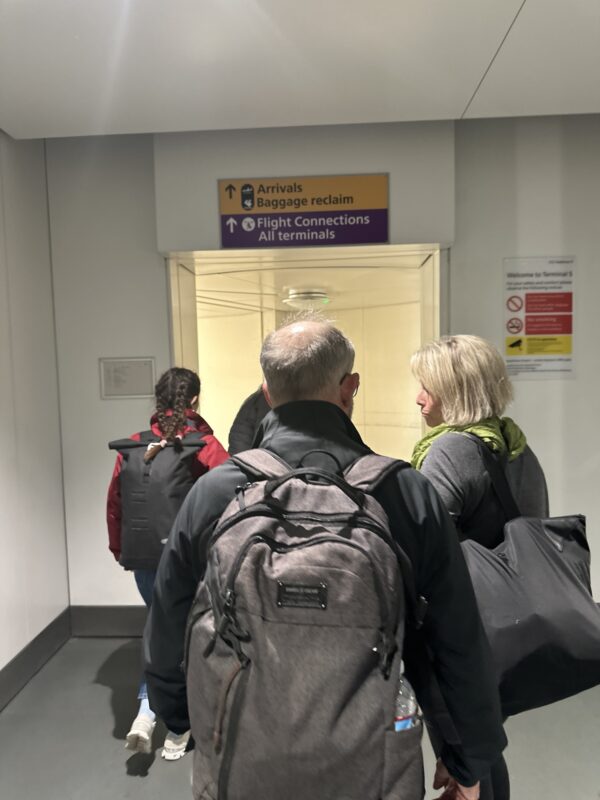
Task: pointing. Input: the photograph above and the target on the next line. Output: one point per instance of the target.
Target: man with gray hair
(310, 384)
(308, 360)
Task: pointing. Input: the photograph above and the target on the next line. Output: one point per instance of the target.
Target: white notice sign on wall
(538, 317)
(125, 378)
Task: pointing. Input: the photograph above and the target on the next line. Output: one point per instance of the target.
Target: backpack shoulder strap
(261, 463)
(367, 472)
(499, 480)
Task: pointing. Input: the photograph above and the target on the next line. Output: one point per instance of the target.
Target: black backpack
(151, 494)
(294, 642)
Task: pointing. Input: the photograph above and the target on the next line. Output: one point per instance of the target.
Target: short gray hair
(305, 359)
(467, 375)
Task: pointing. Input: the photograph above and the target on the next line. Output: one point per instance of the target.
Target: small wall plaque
(124, 378)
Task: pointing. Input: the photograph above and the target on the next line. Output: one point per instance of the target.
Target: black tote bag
(534, 596)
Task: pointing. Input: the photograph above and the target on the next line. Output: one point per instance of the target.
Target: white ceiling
(83, 67)
(244, 281)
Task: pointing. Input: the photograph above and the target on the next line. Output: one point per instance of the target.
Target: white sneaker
(175, 746)
(139, 738)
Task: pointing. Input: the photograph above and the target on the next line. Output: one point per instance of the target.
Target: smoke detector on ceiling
(307, 299)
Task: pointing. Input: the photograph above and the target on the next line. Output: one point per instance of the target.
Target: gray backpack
(294, 642)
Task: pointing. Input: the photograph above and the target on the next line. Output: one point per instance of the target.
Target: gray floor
(62, 738)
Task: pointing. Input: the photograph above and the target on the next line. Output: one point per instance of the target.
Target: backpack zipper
(387, 642)
(234, 718)
(193, 617)
(222, 707)
(265, 510)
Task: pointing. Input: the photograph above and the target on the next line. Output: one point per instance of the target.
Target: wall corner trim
(21, 669)
(101, 621)
(117, 621)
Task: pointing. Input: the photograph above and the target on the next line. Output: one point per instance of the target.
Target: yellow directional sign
(320, 193)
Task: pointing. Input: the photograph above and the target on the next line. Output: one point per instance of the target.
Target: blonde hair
(467, 375)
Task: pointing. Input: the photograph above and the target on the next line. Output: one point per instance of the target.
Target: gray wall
(531, 187)
(33, 567)
(111, 301)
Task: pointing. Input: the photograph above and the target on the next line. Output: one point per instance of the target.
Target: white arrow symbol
(232, 224)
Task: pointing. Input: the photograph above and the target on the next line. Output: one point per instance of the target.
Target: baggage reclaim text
(283, 203)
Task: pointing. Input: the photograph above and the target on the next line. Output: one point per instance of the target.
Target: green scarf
(500, 435)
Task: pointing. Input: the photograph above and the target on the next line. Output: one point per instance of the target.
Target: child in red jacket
(153, 473)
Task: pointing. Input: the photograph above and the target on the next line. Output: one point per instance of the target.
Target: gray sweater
(454, 465)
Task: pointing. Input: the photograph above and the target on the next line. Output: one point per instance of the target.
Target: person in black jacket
(247, 421)
(309, 381)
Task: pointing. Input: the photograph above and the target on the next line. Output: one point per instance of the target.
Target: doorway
(386, 299)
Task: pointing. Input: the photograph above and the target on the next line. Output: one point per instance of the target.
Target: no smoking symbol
(514, 303)
(514, 325)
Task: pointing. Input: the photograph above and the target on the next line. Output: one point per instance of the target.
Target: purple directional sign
(297, 230)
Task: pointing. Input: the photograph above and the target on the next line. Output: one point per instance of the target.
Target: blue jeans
(145, 583)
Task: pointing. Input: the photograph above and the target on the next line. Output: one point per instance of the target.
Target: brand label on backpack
(301, 595)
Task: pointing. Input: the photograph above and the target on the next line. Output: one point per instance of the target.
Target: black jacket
(247, 421)
(452, 629)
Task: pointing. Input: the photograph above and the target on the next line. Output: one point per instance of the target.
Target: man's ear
(348, 389)
(265, 389)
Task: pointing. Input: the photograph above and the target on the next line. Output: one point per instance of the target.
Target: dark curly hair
(174, 391)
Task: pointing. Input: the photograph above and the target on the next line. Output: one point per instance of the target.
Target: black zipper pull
(229, 604)
(225, 622)
(239, 493)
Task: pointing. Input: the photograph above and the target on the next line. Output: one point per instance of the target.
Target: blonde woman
(464, 392)
(465, 389)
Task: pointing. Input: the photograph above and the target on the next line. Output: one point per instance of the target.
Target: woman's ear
(194, 402)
